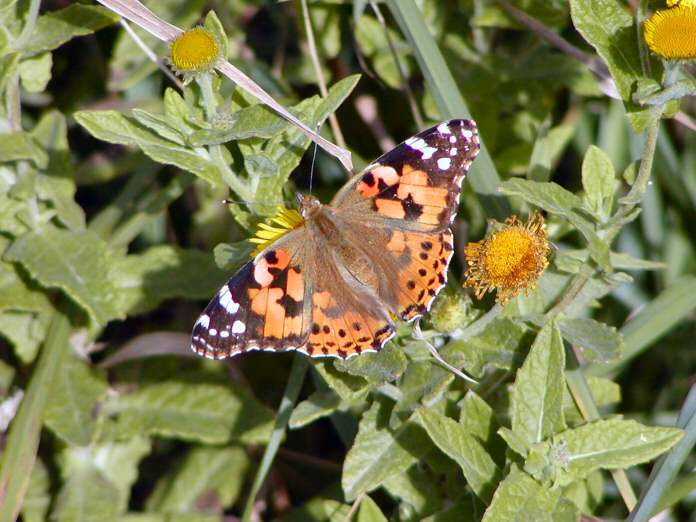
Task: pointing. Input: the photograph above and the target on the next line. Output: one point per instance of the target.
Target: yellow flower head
(283, 222)
(671, 33)
(196, 50)
(511, 259)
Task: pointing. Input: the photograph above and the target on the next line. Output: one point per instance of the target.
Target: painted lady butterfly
(332, 285)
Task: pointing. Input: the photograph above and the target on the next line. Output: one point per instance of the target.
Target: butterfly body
(334, 284)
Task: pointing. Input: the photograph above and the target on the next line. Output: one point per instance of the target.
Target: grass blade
(668, 466)
(652, 322)
(483, 177)
(23, 439)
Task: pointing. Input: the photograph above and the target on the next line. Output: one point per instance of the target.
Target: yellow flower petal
(285, 219)
(510, 260)
(671, 33)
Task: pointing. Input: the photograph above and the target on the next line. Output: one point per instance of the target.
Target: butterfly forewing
(416, 185)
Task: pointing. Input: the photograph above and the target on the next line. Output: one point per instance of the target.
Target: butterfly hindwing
(263, 306)
(416, 185)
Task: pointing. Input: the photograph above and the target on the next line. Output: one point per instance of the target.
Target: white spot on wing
(212, 332)
(467, 134)
(453, 139)
(238, 327)
(421, 146)
(444, 163)
(453, 151)
(444, 128)
(226, 300)
(224, 334)
(203, 320)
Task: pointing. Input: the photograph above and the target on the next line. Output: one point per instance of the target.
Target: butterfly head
(307, 204)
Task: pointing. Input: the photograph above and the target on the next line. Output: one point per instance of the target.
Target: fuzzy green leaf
(75, 396)
(318, 405)
(596, 341)
(114, 127)
(76, 262)
(20, 146)
(520, 497)
(369, 511)
(604, 444)
(384, 366)
(378, 451)
(255, 121)
(477, 418)
(599, 182)
(38, 496)
(456, 442)
(55, 28)
(610, 444)
(203, 471)
(86, 496)
(163, 272)
(609, 28)
(35, 72)
(537, 395)
(208, 413)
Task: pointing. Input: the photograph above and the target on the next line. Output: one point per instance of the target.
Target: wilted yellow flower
(196, 50)
(671, 33)
(511, 259)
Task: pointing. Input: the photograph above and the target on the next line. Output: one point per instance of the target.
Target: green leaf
(537, 395)
(319, 404)
(114, 127)
(208, 413)
(75, 396)
(369, 511)
(35, 72)
(456, 442)
(164, 272)
(384, 366)
(596, 341)
(51, 132)
(379, 452)
(605, 444)
(116, 462)
(520, 497)
(500, 345)
(21, 146)
(599, 182)
(163, 125)
(204, 471)
(76, 262)
(553, 198)
(477, 418)
(255, 121)
(55, 28)
(86, 496)
(25, 331)
(287, 149)
(604, 392)
(38, 496)
(609, 28)
(418, 487)
(348, 387)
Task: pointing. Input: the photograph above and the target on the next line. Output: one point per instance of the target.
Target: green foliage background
(113, 237)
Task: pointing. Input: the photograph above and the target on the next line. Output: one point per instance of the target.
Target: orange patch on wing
(282, 259)
(386, 174)
(396, 242)
(295, 285)
(432, 196)
(414, 177)
(321, 299)
(275, 314)
(292, 325)
(390, 208)
(258, 300)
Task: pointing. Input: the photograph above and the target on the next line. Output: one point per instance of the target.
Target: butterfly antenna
(314, 157)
